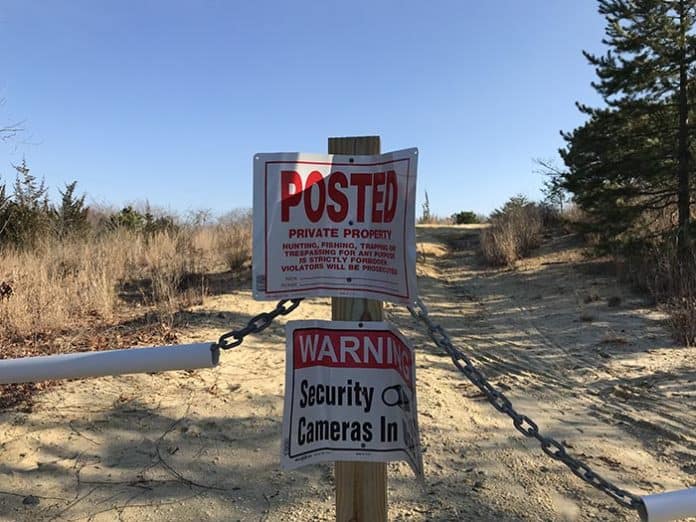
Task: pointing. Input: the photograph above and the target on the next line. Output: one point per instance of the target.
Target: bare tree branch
(10, 131)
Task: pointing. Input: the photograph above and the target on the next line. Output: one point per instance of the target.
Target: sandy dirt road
(606, 380)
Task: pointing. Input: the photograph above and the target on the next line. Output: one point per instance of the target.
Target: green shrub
(70, 219)
(25, 218)
(466, 217)
(135, 221)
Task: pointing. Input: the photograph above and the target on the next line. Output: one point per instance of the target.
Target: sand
(590, 361)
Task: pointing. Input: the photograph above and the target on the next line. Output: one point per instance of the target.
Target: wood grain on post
(361, 487)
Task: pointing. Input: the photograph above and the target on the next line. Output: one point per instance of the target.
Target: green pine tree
(621, 173)
(71, 217)
(647, 81)
(29, 212)
(5, 202)
(128, 218)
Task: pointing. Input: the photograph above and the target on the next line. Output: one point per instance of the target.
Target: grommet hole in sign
(395, 396)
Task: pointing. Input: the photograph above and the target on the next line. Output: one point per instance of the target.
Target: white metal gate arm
(672, 505)
(112, 362)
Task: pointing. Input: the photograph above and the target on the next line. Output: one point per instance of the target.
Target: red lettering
(338, 214)
(377, 196)
(314, 179)
(330, 195)
(390, 197)
(361, 181)
(288, 199)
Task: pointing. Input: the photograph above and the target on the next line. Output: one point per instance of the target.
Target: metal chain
(522, 423)
(259, 322)
(500, 402)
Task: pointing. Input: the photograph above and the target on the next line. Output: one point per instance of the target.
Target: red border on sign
(400, 359)
(324, 287)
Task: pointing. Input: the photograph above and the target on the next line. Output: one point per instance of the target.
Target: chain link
(522, 423)
(256, 324)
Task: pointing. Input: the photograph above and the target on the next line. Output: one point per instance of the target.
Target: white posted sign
(335, 225)
(350, 394)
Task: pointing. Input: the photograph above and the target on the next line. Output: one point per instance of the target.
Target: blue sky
(168, 101)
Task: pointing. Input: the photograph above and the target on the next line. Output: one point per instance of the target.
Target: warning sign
(335, 225)
(349, 395)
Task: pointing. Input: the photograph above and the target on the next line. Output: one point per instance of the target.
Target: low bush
(234, 240)
(515, 229)
(466, 217)
(682, 318)
(657, 269)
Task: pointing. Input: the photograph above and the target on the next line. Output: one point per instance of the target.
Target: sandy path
(204, 445)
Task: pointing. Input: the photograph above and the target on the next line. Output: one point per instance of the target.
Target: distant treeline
(28, 216)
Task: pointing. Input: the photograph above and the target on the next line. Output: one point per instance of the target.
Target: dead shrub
(234, 242)
(682, 319)
(499, 244)
(514, 231)
(165, 260)
(670, 280)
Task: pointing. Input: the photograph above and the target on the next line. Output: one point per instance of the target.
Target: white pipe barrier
(111, 362)
(673, 505)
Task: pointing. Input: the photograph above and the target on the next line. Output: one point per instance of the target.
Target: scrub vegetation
(64, 265)
(629, 170)
(515, 229)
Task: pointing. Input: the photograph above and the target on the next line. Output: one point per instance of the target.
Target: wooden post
(361, 487)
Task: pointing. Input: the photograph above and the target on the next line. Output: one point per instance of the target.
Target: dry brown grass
(234, 241)
(56, 283)
(434, 219)
(671, 282)
(61, 284)
(512, 235)
(682, 319)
